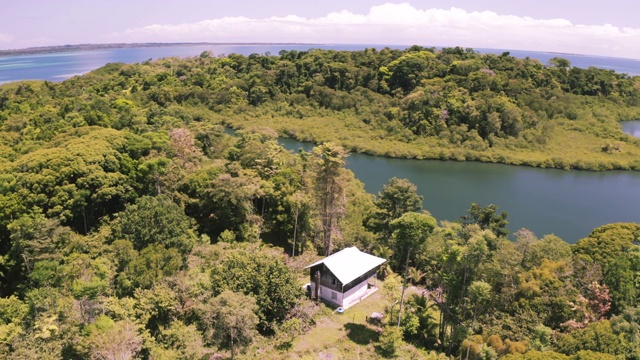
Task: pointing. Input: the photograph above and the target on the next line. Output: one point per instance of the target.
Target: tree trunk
(232, 353)
(84, 219)
(295, 231)
(404, 285)
(318, 287)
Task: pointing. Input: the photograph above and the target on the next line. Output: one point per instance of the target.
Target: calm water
(632, 128)
(63, 65)
(568, 204)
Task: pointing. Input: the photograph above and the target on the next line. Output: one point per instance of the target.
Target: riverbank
(564, 150)
(569, 204)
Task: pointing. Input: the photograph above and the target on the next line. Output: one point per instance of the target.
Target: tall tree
(156, 220)
(398, 197)
(607, 242)
(327, 166)
(33, 238)
(231, 319)
(300, 206)
(488, 218)
(109, 340)
(262, 274)
(410, 231)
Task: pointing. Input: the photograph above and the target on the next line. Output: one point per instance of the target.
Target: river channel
(568, 204)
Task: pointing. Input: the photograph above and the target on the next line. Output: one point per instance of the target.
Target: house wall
(339, 299)
(364, 277)
(326, 294)
(355, 293)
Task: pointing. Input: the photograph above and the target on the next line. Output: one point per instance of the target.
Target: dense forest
(420, 103)
(133, 225)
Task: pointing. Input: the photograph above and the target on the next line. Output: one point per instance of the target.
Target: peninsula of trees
(133, 225)
(451, 104)
(89, 47)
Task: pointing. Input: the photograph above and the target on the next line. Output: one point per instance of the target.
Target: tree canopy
(135, 223)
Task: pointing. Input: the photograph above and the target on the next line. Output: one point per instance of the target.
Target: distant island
(84, 47)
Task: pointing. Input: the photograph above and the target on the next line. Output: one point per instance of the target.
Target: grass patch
(566, 147)
(338, 336)
(361, 334)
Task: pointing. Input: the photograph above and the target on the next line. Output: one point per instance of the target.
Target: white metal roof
(349, 263)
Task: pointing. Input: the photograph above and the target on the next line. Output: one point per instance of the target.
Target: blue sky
(584, 27)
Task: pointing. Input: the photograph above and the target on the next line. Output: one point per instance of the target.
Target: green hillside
(132, 225)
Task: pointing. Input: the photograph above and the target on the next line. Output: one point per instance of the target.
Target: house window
(333, 280)
(334, 296)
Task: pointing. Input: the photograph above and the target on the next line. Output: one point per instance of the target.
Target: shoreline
(88, 47)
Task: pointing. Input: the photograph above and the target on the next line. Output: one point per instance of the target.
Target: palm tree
(415, 275)
(422, 308)
(385, 253)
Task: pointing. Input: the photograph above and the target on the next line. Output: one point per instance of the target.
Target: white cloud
(404, 24)
(5, 38)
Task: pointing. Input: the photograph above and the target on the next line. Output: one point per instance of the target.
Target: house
(344, 278)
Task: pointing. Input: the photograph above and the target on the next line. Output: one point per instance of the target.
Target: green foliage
(627, 326)
(419, 322)
(12, 310)
(113, 340)
(541, 338)
(327, 166)
(90, 278)
(537, 355)
(410, 231)
(605, 243)
(544, 290)
(487, 218)
(261, 274)
(226, 201)
(156, 307)
(620, 277)
(398, 196)
(78, 181)
(550, 247)
(462, 106)
(592, 355)
(34, 239)
(391, 290)
(612, 248)
(181, 341)
(232, 318)
(597, 337)
(104, 178)
(390, 340)
(155, 220)
(147, 268)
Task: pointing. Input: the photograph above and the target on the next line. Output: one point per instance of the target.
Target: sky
(608, 28)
